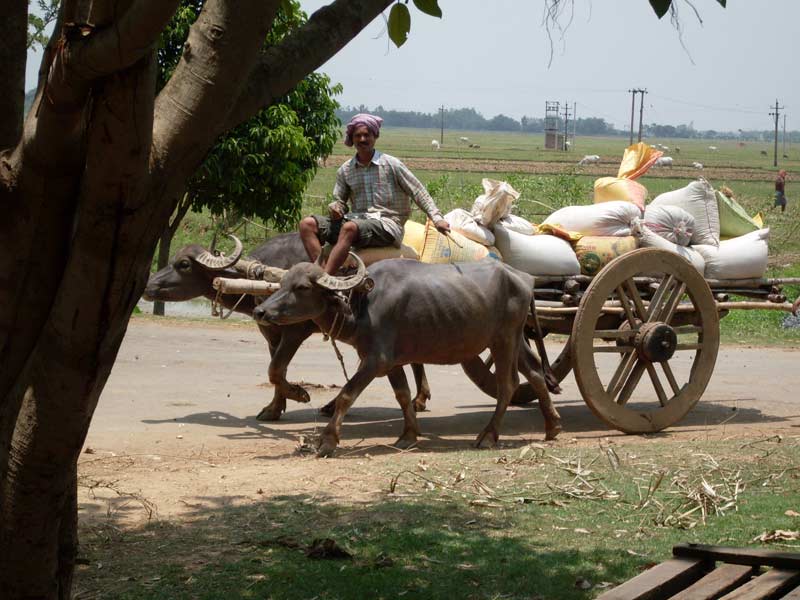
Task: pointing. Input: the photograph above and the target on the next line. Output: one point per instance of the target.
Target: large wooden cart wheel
(667, 333)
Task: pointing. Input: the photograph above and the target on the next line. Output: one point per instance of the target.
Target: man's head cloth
(371, 122)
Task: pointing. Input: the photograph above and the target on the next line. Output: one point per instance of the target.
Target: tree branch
(13, 50)
(222, 48)
(121, 43)
(283, 66)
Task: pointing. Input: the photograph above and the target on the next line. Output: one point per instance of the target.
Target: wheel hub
(656, 342)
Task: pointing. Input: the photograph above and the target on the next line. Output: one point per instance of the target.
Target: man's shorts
(780, 199)
(371, 232)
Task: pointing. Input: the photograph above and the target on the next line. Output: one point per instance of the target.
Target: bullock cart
(643, 333)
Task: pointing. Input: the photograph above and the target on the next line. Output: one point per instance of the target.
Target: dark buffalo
(440, 314)
(190, 275)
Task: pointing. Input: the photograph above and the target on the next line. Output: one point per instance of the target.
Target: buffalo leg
(420, 401)
(397, 377)
(423, 389)
(506, 380)
(343, 401)
(531, 369)
(283, 345)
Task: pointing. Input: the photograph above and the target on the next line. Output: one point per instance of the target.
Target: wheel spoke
(623, 298)
(672, 303)
(621, 374)
(631, 383)
(614, 333)
(658, 296)
(633, 292)
(662, 396)
(613, 349)
(687, 329)
(671, 378)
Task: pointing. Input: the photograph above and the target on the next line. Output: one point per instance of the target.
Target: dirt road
(177, 422)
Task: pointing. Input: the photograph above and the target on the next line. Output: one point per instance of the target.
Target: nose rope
(216, 306)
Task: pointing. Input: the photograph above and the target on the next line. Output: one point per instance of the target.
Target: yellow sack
(373, 255)
(414, 236)
(636, 160)
(607, 189)
(595, 252)
(558, 231)
(733, 219)
(451, 248)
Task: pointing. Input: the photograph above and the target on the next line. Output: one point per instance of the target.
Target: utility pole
(575, 121)
(633, 105)
(441, 133)
(775, 114)
(641, 110)
(566, 125)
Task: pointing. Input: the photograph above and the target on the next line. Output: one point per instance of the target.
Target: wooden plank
(738, 556)
(662, 581)
(721, 580)
(767, 585)
(793, 595)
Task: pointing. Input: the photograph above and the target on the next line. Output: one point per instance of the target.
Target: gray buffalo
(439, 314)
(190, 275)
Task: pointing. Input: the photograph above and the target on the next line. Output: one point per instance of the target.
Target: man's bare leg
(348, 236)
(308, 229)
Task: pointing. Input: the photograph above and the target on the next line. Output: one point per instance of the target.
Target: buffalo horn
(344, 283)
(218, 263)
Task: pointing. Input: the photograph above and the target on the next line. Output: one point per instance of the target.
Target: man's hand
(442, 226)
(336, 210)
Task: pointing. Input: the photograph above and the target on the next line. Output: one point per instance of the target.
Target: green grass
(510, 524)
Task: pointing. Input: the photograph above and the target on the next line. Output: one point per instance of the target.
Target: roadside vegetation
(537, 521)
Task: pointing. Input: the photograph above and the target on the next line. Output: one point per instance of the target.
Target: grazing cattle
(589, 159)
(712, 148)
(663, 161)
(435, 144)
(190, 275)
(677, 149)
(763, 153)
(697, 165)
(417, 312)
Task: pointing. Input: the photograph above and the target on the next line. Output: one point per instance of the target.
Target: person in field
(780, 190)
(372, 200)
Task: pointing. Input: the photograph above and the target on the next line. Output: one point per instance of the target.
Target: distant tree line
(470, 119)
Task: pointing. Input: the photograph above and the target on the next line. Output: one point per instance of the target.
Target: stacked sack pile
(706, 227)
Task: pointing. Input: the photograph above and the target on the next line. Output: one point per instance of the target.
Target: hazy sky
(493, 56)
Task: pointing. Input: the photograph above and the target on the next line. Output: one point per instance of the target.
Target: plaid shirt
(382, 189)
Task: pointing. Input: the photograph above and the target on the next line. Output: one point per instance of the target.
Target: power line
(776, 114)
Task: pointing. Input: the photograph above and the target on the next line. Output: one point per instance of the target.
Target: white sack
(466, 225)
(649, 239)
(536, 254)
(518, 224)
(742, 257)
(670, 222)
(495, 202)
(606, 218)
(698, 200)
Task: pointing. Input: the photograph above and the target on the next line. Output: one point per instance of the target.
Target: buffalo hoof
(296, 393)
(487, 439)
(550, 433)
(420, 403)
(328, 409)
(326, 449)
(272, 412)
(406, 441)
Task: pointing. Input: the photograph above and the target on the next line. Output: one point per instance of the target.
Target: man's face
(363, 139)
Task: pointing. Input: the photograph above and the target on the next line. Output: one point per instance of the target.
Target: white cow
(589, 159)
(697, 165)
(435, 144)
(663, 161)
(712, 148)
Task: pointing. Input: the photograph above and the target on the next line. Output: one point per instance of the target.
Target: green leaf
(399, 24)
(724, 3)
(660, 6)
(431, 7)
